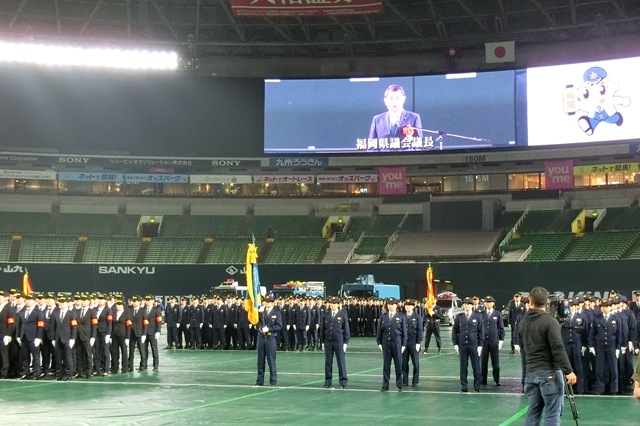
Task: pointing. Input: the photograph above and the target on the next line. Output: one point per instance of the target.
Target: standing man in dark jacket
(173, 316)
(103, 336)
(153, 314)
(392, 339)
(431, 320)
(414, 339)
(468, 339)
(86, 333)
(121, 333)
(183, 328)
(30, 333)
(493, 339)
(269, 325)
(515, 309)
(334, 334)
(7, 329)
(547, 362)
(64, 339)
(138, 333)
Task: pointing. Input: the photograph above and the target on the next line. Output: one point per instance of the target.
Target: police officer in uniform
(183, 328)
(269, 325)
(468, 340)
(494, 337)
(392, 339)
(173, 317)
(414, 339)
(334, 334)
(604, 344)
(575, 334)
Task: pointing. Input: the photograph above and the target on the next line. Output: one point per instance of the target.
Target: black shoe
(476, 390)
(439, 350)
(343, 387)
(399, 389)
(273, 385)
(326, 386)
(22, 377)
(383, 389)
(463, 391)
(413, 385)
(67, 378)
(257, 384)
(498, 384)
(425, 353)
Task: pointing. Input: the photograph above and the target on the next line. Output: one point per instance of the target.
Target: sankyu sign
(558, 174)
(127, 270)
(392, 180)
(223, 179)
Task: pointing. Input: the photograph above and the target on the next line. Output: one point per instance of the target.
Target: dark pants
(301, 337)
(4, 359)
(64, 359)
(183, 332)
(332, 347)
(266, 348)
(391, 351)
(153, 343)
(469, 353)
(84, 357)
(118, 351)
(172, 335)
(410, 352)
(575, 357)
(244, 339)
(490, 349)
(606, 369)
(218, 337)
(133, 343)
(102, 354)
(436, 333)
(48, 355)
(29, 351)
(195, 337)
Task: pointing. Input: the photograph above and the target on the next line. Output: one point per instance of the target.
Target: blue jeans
(544, 389)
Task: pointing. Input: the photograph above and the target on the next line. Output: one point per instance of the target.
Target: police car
(451, 306)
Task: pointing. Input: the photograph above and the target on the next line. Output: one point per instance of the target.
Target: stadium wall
(500, 279)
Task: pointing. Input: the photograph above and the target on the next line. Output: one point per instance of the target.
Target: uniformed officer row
(83, 336)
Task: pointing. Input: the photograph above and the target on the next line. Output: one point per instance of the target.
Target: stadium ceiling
(204, 29)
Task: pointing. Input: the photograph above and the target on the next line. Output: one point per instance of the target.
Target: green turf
(215, 387)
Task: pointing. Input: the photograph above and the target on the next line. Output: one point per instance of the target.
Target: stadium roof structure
(208, 31)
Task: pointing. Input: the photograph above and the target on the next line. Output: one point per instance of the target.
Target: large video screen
(567, 104)
(419, 113)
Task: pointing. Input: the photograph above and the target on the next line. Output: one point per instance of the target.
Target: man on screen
(390, 124)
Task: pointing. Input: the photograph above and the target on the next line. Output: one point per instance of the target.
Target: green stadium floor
(215, 387)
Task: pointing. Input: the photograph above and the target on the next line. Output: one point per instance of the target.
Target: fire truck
(299, 288)
(230, 287)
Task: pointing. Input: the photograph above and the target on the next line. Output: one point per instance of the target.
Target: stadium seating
(112, 249)
(5, 248)
(86, 224)
(544, 247)
(24, 223)
(296, 250)
(601, 245)
(47, 248)
(174, 250)
(228, 250)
